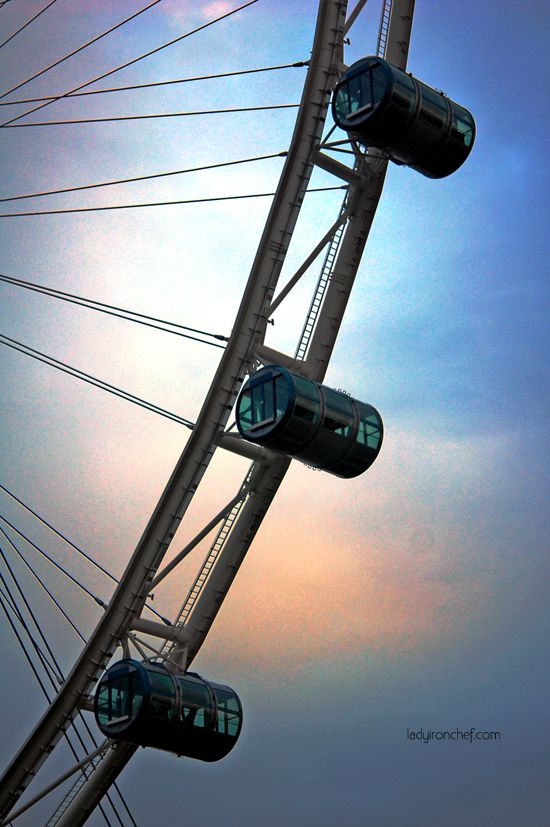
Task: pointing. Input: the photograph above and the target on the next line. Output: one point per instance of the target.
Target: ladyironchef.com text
(470, 735)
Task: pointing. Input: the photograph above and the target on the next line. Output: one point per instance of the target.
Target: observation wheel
(133, 671)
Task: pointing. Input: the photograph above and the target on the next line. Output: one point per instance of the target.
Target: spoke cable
(161, 203)
(113, 310)
(128, 63)
(57, 565)
(22, 645)
(12, 605)
(66, 573)
(80, 49)
(53, 675)
(57, 533)
(115, 182)
(57, 671)
(227, 111)
(45, 588)
(28, 23)
(92, 380)
(71, 544)
(52, 672)
(151, 84)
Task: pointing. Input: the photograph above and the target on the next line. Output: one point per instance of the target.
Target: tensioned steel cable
(53, 668)
(161, 203)
(113, 310)
(10, 600)
(151, 84)
(70, 543)
(48, 663)
(23, 647)
(44, 587)
(13, 607)
(129, 62)
(54, 673)
(80, 48)
(57, 565)
(38, 678)
(158, 115)
(92, 380)
(137, 178)
(28, 23)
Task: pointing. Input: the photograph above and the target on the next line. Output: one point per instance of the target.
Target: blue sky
(413, 596)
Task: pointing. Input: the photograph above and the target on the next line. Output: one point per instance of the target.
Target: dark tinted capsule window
(263, 402)
(161, 683)
(340, 418)
(370, 429)
(307, 403)
(281, 395)
(434, 108)
(195, 703)
(162, 708)
(263, 409)
(463, 125)
(120, 698)
(115, 699)
(245, 409)
(229, 714)
(342, 102)
(404, 92)
(379, 82)
(354, 92)
(103, 704)
(366, 90)
(163, 698)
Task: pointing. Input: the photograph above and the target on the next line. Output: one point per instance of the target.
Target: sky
(412, 597)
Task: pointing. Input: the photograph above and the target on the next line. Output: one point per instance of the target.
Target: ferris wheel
(134, 674)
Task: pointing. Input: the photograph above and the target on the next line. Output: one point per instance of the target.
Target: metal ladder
(317, 300)
(332, 251)
(384, 27)
(75, 789)
(212, 556)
